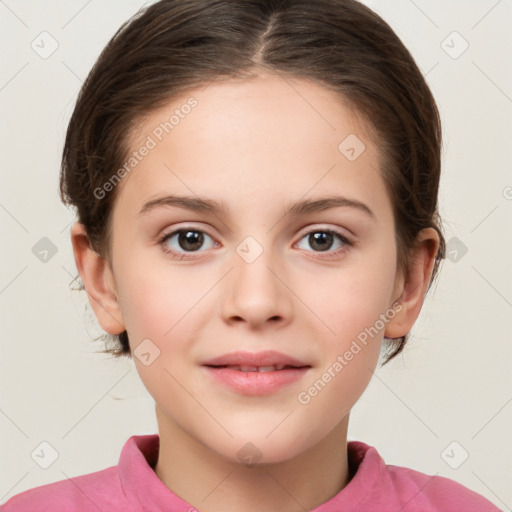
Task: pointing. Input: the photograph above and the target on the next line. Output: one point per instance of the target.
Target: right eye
(185, 240)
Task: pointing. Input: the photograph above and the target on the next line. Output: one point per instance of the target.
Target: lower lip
(256, 383)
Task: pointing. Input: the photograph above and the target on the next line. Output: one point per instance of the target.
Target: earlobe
(98, 280)
(413, 286)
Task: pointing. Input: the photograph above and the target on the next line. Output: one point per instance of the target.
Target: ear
(412, 287)
(98, 280)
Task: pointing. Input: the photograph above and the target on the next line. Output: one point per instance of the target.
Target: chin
(250, 450)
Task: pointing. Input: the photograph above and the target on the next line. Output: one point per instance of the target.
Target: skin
(257, 145)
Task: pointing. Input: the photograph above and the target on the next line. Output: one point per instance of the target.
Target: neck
(212, 483)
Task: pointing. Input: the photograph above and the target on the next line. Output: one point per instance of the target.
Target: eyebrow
(302, 207)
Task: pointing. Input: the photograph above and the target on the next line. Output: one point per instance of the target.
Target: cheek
(351, 299)
(161, 303)
(352, 309)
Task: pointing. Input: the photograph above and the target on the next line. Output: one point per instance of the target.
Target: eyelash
(187, 256)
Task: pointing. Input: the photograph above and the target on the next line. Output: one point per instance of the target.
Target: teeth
(248, 368)
(261, 369)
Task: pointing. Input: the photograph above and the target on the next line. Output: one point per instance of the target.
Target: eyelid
(312, 228)
(184, 227)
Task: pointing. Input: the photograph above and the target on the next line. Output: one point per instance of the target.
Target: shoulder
(434, 492)
(116, 488)
(86, 493)
(388, 487)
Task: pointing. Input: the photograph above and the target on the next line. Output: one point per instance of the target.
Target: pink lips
(264, 358)
(226, 370)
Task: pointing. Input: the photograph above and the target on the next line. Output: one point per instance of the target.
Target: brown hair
(175, 45)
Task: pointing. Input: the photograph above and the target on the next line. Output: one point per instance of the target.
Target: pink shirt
(132, 486)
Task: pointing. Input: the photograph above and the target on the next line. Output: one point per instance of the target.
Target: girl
(256, 185)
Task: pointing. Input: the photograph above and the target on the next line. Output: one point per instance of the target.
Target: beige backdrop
(447, 397)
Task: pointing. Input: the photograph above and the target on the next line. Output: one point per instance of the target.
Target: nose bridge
(255, 293)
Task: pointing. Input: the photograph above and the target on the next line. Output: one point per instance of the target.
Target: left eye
(323, 240)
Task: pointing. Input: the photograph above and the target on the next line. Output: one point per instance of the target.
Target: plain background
(453, 382)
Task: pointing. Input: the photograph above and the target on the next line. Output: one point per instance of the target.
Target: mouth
(262, 373)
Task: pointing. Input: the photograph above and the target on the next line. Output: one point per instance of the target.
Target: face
(251, 275)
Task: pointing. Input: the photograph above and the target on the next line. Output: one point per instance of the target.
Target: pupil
(187, 239)
(323, 241)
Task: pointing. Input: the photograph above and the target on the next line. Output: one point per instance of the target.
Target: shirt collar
(139, 480)
(142, 486)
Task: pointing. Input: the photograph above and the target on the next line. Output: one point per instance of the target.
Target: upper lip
(264, 358)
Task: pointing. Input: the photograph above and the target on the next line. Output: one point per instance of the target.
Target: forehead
(269, 138)
(239, 107)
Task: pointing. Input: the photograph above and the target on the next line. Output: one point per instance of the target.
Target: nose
(256, 293)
